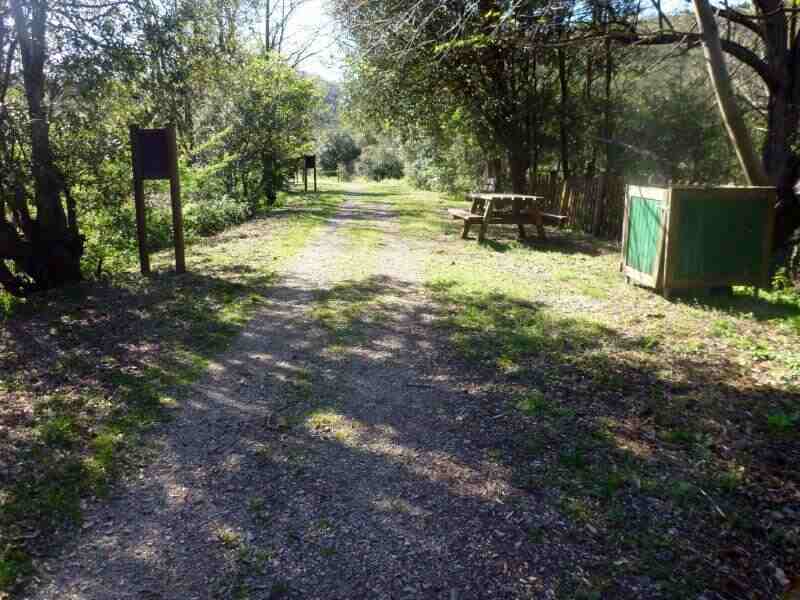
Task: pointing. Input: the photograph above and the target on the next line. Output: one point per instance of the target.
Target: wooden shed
(697, 238)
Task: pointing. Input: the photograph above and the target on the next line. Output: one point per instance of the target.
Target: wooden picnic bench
(495, 209)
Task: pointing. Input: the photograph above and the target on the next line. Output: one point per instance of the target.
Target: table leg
(487, 214)
(517, 211)
(540, 224)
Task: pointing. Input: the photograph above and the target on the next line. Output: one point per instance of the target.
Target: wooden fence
(593, 205)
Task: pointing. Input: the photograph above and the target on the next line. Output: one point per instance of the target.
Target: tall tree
(726, 98)
(770, 48)
(45, 249)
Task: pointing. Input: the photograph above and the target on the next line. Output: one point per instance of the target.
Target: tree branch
(747, 21)
(745, 55)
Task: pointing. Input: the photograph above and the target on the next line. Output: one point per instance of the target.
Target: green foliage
(781, 422)
(670, 124)
(449, 163)
(533, 404)
(241, 118)
(461, 97)
(379, 162)
(339, 148)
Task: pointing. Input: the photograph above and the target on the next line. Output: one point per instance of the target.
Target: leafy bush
(339, 148)
(379, 163)
(452, 163)
(213, 215)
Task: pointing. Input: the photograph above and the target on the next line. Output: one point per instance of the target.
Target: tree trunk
(50, 256)
(723, 89)
(267, 35)
(269, 179)
(519, 161)
(564, 108)
(608, 125)
(781, 162)
(496, 173)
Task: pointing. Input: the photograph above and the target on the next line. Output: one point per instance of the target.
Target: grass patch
(649, 419)
(327, 422)
(781, 422)
(346, 308)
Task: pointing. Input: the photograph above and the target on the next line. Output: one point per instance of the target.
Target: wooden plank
(670, 243)
(557, 220)
(486, 216)
(686, 284)
(138, 198)
(769, 232)
(175, 199)
(660, 247)
(457, 213)
(625, 224)
(516, 210)
(637, 276)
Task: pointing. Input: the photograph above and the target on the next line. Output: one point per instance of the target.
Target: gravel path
(304, 468)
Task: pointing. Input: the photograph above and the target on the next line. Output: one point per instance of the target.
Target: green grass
(781, 422)
(626, 399)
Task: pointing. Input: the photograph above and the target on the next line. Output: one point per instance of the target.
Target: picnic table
(509, 209)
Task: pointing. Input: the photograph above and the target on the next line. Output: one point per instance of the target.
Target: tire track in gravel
(300, 470)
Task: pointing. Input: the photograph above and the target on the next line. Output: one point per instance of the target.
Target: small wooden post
(305, 175)
(138, 198)
(175, 198)
(315, 176)
(487, 214)
(516, 211)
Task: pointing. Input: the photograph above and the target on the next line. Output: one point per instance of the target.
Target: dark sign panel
(152, 153)
(311, 161)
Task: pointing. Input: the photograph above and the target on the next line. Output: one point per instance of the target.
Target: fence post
(600, 186)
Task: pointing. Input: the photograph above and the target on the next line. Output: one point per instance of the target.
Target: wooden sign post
(155, 156)
(310, 162)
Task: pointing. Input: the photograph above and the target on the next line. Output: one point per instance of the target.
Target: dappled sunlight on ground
(408, 414)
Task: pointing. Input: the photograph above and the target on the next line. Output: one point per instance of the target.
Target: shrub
(379, 163)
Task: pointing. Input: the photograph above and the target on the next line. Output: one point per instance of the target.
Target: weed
(781, 422)
(577, 509)
(228, 537)
(573, 458)
(650, 342)
(59, 431)
(682, 491)
(609, 484)
(328, 422)
(533, 404)
(679, 436)
(15, 565)
(730, 481)
(723, 328)
(494, 454)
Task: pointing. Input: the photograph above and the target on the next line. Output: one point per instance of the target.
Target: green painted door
(645, 219)
(721, 235)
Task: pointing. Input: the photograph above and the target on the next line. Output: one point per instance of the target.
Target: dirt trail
(311, 466)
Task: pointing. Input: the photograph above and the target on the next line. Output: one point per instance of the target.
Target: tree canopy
(75, 75)
(585, 87)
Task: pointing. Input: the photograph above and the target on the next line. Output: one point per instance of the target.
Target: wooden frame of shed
(697, 238)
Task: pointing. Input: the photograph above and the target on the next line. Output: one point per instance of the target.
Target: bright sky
(312, 24)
